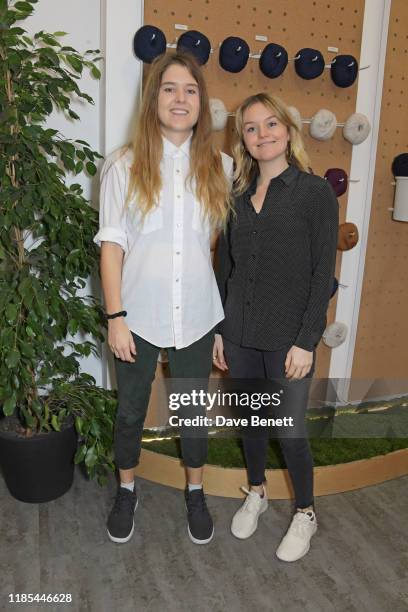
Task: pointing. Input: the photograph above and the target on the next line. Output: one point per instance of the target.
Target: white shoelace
(252, 501)
(301, 524)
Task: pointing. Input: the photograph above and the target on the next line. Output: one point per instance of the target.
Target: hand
(218, 353)
(298, 363)
(120, 340)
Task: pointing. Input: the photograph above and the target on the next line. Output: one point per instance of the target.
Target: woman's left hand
(298, 363)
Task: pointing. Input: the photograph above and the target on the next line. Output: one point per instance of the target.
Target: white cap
(335, 334)
(296, 116)
(323, 124)
(219, 114)
(356, 129)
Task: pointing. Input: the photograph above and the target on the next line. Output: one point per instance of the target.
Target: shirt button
(177, 280)
(178, 171)
(253, 255)
(254, 232)
(179, 196)
(248, 303)
(177, 252)
(178, 225)
(177, 307)
(251, 280)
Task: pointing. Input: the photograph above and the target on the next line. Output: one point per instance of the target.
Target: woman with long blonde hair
(161, 198)
(275, 275)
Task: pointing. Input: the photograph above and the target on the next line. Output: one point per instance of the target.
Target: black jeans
(252, 363)
(134, 382)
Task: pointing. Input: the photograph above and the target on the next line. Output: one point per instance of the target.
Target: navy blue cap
(400, 165)
(273, 60)
(334, 287)
(148, 43)
(196, 43)
(344, 70)
(310, 64)
(234, 54)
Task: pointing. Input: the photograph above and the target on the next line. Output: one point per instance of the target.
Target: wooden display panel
(318, 24)
(381, 349)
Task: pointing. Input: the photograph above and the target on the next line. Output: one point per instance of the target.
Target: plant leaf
(91, 168)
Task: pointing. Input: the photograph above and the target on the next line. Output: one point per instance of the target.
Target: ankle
(309, 508)
(192, 486)
(128, 485)
(260, 489)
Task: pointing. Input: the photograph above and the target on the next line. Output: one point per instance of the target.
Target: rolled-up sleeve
(112, 214)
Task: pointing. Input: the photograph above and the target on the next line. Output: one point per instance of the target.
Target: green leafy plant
(46, 247)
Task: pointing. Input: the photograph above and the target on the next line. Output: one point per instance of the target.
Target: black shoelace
(196, 502)
(123, 500)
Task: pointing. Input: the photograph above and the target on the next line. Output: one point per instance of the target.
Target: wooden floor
(358, 559)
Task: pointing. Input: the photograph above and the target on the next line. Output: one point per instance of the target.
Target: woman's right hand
(120, 340)
(218, 353)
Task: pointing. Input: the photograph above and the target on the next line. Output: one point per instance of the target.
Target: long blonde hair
(246, 166)
(212, 186)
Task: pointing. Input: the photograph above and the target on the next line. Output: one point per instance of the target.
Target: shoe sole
(253, 530)
(127, 538)
(192, 538)
(297, 558)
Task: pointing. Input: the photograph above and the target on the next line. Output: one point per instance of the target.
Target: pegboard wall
(294, 25)
(381, 349)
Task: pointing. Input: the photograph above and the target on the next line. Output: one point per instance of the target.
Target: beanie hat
(400, 165)
(148, 43)
(219, 115)
(344, 70)
(323, 125)
(196, 43)
(310, 64)
(337, 179)
(273, 60)
(356, 129)
(234, 54)
(347, 236)
(335, 334)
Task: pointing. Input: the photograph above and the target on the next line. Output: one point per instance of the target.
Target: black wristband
(122, 313)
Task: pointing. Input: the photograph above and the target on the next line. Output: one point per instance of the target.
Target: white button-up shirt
(168, 285)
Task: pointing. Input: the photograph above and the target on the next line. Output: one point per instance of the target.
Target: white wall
(81, 20)
(120, 93)
(108, 25)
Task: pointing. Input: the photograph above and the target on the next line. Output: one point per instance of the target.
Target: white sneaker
(245, 521)
(296, 543)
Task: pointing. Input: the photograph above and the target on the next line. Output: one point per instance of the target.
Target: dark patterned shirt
(275, 268)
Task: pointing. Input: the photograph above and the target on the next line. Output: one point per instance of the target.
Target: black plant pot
(40, 468)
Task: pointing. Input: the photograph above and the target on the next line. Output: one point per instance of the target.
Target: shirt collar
(170, 149)
(287, 176)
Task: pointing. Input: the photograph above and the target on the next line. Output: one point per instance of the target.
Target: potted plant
(46, 255)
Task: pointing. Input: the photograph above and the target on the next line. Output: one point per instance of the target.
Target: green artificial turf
(227, 452)
(337, 439)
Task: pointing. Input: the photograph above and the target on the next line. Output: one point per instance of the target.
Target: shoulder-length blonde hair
(246, 167)
(212, 186)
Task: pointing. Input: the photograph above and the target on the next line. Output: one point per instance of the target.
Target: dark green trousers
(134, 382)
